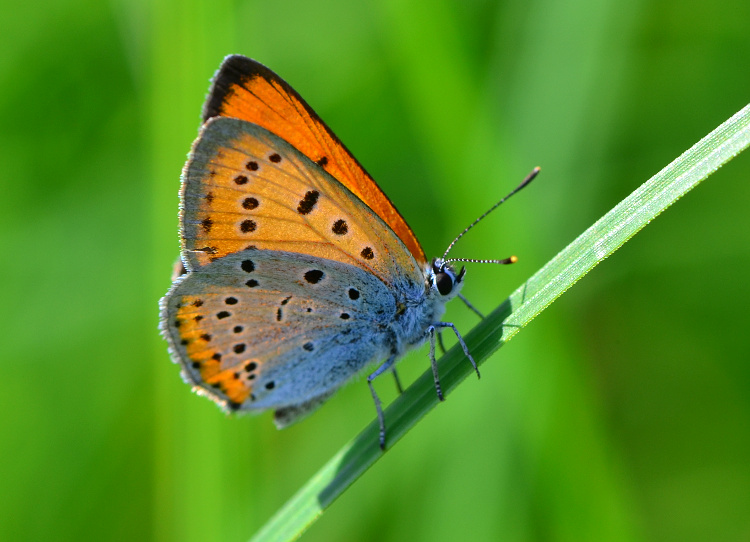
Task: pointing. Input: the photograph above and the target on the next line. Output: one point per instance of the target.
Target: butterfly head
(444, 280)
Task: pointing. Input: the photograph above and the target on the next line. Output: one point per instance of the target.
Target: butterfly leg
(471, 307)
(431, 330)
(399, 387)
(460, 341)
(440, 342)
(378, 405)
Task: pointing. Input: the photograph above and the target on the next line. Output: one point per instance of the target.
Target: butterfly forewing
(247, 90)
(245, 187)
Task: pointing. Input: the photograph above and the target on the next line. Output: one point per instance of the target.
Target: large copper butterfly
(299, 271)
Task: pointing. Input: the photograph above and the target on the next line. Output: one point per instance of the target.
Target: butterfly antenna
(530, 177)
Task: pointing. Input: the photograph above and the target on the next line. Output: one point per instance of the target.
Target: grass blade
(565, 269)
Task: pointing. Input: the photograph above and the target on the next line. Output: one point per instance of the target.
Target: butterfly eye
(444, 282)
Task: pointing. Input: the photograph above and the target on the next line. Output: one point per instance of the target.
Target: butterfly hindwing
(247, 90)
(286, 416)
(265, 329)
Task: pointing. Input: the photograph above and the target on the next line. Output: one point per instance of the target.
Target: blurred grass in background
(622, 413)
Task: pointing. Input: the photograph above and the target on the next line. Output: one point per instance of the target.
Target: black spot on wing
(207, 223)
(307, 204)
(250, 204)
(314, 276)
(340, 227)
(248, 226)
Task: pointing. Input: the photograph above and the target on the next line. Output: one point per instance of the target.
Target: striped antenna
(530, 177)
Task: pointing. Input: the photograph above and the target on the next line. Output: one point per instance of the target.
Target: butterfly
(299, 272)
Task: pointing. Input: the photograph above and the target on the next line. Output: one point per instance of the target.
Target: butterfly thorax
(418, 306)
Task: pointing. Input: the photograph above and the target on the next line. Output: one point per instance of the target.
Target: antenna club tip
(513, 259)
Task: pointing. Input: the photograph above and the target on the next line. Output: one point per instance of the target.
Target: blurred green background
(622, 413)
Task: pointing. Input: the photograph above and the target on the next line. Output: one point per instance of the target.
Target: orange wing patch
(247, 90)
(205, 358)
